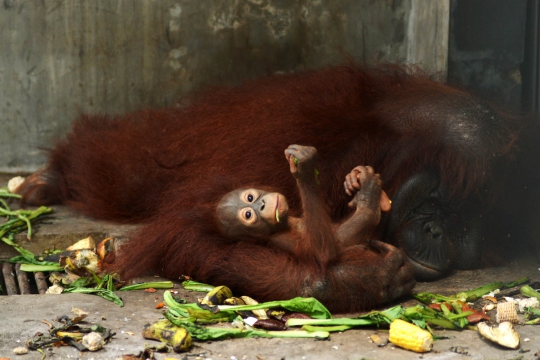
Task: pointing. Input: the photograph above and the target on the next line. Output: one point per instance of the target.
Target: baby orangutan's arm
(317, 238)
(369, 200)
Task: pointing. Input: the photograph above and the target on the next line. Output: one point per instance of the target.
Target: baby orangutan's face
(252, 212)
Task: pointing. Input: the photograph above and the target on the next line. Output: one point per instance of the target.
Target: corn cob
(410, 337)
(507, 312)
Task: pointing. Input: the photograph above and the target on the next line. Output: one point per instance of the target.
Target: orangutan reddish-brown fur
(168, 167)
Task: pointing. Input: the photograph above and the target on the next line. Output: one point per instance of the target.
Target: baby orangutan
(263, 215)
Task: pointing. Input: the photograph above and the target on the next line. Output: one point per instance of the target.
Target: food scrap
(71, 332)
(504, 334)
(80, 269)
(410, 336)
(507, 312)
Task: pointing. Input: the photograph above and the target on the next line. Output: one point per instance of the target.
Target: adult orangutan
(437, 149)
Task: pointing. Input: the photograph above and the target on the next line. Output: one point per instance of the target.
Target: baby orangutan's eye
(248, 213)
(249, 195)
(248, 216)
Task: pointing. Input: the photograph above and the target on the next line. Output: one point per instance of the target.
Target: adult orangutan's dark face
(435, 233)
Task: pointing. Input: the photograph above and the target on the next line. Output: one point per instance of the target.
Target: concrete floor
(21, 315)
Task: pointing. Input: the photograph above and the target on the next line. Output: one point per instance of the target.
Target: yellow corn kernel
(410, 337)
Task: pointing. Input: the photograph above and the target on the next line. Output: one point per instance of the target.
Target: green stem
(459, 316)
(21, 222)
(529, 292)
(533, 322)
(340, 328)
(148, 285)
(10, 195)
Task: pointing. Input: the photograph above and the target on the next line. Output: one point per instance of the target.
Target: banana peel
(165, 331)
(74, 335)
(217, 296)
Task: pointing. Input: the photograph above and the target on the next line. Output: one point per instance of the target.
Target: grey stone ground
(20, 316)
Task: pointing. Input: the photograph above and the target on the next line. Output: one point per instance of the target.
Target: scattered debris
(80, 315)
(459, 350)
(84, 338)
(93, 341)
(161, 348)
(84, 244)
(378, 340)
(160, 305)
(21, 350)
(531, 303)
(55, 289)
(270, 324)
(143, 355)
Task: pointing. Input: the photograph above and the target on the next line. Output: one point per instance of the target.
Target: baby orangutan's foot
(366, 186)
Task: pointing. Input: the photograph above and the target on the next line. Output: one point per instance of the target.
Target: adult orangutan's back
(118, 168)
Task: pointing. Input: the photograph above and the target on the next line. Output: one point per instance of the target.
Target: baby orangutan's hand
(301, 161)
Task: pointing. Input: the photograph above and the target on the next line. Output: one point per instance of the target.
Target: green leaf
(420, 323)
(104, 293)
(309, 306)
(26, 257)
(82, 282)
(202, 333)
(192, 312)
(26, 254)
(374, 318)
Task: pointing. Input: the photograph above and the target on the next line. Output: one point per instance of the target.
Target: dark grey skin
(436, 233)
(255, 213)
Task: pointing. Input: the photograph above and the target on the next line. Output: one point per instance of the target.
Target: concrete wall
(59, 58)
